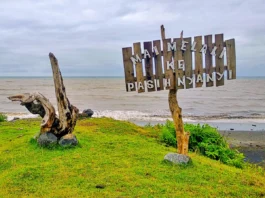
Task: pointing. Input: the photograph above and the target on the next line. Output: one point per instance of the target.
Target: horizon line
(91, 76)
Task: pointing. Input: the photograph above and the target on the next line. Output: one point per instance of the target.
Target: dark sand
(251, 143)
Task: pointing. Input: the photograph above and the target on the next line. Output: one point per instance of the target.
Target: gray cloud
(87, 36)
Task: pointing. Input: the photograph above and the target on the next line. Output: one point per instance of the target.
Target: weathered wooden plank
(178, 56)
(149, 66)
(139, 68)
(128, 68)
(188, 64)
(231, 58)
(209, 61)
(219, 61)
(158, 65)
(169, 75)
(198, 62)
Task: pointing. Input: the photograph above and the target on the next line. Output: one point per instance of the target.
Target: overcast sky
(87, 36)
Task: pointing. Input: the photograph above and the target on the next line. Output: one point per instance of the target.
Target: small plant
(168, 135)
(3, 117)
(205, 140)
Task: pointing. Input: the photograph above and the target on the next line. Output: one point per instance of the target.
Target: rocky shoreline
(251, 143)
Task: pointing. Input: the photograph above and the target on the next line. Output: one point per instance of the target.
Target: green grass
(3, 117)
(125, 158)
(203, 139)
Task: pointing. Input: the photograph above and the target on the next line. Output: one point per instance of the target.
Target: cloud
(87, 36)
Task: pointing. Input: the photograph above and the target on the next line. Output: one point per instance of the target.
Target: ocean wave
(158, 116)
(11, 116)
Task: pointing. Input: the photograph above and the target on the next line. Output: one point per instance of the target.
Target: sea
(238, 105)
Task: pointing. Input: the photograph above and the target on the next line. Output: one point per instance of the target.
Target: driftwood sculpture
(36, 103)
(176, 112)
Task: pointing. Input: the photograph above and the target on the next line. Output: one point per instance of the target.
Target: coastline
(247, 136)
(252, 144)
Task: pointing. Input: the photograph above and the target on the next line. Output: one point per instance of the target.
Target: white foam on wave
(128, 115)
(146, 117)
(20, 116)
(136, 116)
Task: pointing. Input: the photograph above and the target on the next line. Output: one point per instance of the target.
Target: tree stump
(60, 125)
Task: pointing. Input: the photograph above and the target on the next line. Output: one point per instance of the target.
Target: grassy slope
(120, 155)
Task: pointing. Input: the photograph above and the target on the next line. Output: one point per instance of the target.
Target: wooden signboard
(149, 68)
(183, 63)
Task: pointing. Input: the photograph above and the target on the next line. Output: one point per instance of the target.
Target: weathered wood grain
(209, 60)
(188, 64)
(178, 55)
(128, 67)
(231, 58)
(163, 32)
(139, 68)
(149, 67)
(198, 62)
(219, 62)
(176, 112)
(67, 112)
(167, 55)
(36, 103)
(158, 65)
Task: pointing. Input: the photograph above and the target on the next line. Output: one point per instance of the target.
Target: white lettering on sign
(181, 82)
(208, 78)
(220, 75)
(136, 60)
(130, 86)
(150, 84)
(203, 49)
(171, 65)
(183, 45)
(181, 64)
(213, 51)
(166, 82)
(199, 78)
(193, 46)
(157, 83)
(146, 53)
(155, 50)
(190, 79)
(171, 46)
(140, 86)
(222, 53)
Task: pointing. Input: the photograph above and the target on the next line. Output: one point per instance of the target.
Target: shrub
(2, 117)
(205, 140)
